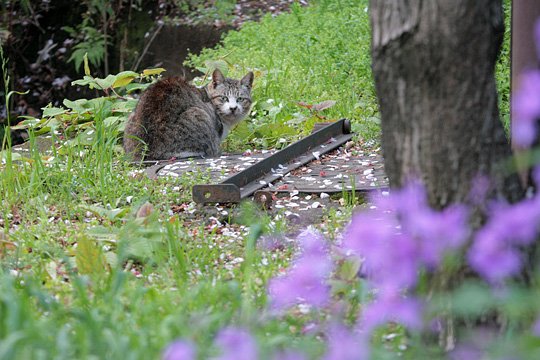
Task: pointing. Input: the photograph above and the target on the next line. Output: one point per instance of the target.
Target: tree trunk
(433, 64)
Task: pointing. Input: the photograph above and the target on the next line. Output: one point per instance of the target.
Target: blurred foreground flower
(495, 253)
(402, 236)
(526, 109)
(180, 350)
(526, 102)
(306, 281)
(344, 344)
(406, 311)
(236, 344)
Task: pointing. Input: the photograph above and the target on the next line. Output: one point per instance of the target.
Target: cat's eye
(224, 98)
(240, 99)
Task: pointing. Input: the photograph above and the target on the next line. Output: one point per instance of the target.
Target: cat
(175, 119)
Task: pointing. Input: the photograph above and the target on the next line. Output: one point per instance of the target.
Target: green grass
(310, 55)
(502, 69)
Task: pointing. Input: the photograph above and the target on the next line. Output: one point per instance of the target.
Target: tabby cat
(175, 119)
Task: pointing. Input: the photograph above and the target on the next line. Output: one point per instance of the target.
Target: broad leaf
(220, 65)
(50, 111)
(78, 105)
(323, 105)
(124, 78)
(106, 83)
(156, 71)
(89, 257)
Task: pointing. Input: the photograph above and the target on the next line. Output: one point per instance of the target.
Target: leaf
(50, 111)
(124, 78)
(145, 210)
(136, 86)
(106, 83)
(323, 105)
(28, 122)
(110, 214)
(14, 155)
(112, 120)
(86, 66)
(303, 104)
(220, 65)
(124, 106)
(85, 81)
(100, 104)
(349, 269)
(89, 257)
(156, 71)
(15, 92)
(78, 105)
(50, 268)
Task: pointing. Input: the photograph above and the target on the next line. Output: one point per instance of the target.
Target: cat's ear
(247, 80)
(217, 78)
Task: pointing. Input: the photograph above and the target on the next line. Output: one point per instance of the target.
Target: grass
(310, 55)
(502, 69)
(83, 274)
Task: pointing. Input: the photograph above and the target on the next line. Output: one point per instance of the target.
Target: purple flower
(405, 311)
(180, 350)
(400, 270)
(410, 199)
(517, 223)
(368, 236)
(389, 258)
(236, 344)
(495, 252)
(526, 108)
(344, 344)
(437, 232)
(492, 257)
(402, 235)
(306, 281)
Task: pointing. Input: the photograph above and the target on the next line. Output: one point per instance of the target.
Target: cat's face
(231, 98)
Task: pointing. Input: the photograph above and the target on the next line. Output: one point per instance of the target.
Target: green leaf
(78, 105)
(110, 214)
(124, 78)
(89, 257)
(50, 111)
(14, 155)
(349, 269)
(27, 123)
(100, 104)
(112, 120)
(470, 299)
(136, 86)
(106, 83)
(220, 65)
(156, 71)
(125, 106)
(86, 66)
(86, 80)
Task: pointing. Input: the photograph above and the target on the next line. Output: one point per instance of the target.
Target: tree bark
(433, 65)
